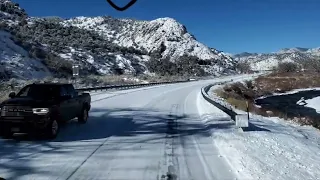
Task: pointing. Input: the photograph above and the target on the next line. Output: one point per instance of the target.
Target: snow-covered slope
(272, 148)
(164, 37)
(147, 35)
(15, 61)
(266, 61)
(106, 45)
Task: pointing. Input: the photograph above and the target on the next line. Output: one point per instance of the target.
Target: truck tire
(52, 129)
(83, 117)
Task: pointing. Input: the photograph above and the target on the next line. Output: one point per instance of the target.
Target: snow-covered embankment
(273, 149)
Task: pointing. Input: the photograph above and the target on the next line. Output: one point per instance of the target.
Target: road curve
(149, 133)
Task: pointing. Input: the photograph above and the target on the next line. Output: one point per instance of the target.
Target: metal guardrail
(227, 110)
(127, 86)
(241, 120)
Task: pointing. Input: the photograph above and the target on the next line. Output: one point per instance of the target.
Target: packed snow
(125, 138)
(272, 150)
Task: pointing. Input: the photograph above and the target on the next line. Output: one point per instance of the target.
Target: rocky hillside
(267, 61)
(101, 45)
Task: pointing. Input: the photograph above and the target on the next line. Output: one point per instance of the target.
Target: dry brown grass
(287, 81)
(237, 103)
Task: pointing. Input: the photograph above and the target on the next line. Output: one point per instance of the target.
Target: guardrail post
(248, 110)
(242, 121)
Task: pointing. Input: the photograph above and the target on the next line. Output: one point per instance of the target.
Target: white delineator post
(242, 121)
(75, 73)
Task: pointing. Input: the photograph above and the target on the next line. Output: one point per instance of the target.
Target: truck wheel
(52, 129)
(83, 118)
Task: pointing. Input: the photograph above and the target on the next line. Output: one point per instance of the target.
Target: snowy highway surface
(152, 132)
(139, 134)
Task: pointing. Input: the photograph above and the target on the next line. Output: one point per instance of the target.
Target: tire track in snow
(168, 165)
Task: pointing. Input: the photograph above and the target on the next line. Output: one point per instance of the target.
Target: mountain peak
(166, 19)
(245, 54)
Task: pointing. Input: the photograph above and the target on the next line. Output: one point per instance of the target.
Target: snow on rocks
(15, 59)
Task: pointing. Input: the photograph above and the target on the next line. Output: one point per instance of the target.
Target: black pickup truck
(41, 108)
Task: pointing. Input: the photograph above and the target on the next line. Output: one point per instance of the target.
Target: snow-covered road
(128, 136)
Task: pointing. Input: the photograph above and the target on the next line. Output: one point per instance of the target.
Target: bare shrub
(243, 67)
(312, 65)
(285, 67)
(249, 84)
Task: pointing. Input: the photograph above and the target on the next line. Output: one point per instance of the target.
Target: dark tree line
(243, 67)
(183, 66)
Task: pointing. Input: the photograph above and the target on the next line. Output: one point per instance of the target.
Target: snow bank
(314, 103)
(273, 148)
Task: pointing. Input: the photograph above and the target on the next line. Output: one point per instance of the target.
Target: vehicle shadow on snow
(16, 154)
(134, 122)
(104, 123)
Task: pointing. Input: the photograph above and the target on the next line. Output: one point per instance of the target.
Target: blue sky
(233, 26)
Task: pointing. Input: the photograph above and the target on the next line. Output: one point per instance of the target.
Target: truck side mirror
(12, 95)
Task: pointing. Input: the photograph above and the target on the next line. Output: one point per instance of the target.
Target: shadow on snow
(16, 154)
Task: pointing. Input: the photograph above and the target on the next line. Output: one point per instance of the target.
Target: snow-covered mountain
(15, 61)
(106, 45)
(267, 61)
(146, 35)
